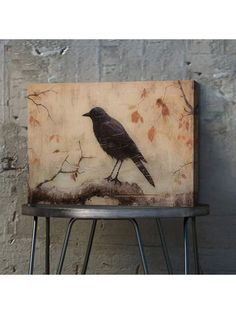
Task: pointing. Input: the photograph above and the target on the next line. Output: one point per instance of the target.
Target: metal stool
(129, 213)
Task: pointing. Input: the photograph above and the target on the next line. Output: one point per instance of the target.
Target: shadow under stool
(130, 213)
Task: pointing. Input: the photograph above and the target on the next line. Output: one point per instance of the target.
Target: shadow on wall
(217, 157)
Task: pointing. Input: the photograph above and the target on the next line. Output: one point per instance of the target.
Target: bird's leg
(110, 176)
(116, 180)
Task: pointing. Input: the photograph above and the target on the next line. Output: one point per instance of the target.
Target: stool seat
(96, 212)
(113, 212)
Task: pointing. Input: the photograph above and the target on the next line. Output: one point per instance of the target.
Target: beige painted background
(158, 116)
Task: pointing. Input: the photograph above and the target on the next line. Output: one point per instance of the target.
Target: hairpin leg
(65, 245)
(140, 244)
(195, 247)
(32, 253)
(89, 247)
(47, 247)
(186, 240)
(164, 246)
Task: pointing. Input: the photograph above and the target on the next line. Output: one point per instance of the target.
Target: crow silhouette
(116, 142)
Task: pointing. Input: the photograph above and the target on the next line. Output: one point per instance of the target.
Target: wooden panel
(148, 126)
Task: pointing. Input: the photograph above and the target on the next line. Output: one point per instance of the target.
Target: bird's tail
(144, 171)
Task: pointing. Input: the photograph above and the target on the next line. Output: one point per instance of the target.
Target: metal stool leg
(164, 246)
(140, 244)
(89, 246)
(32, 253)
(186, 253)
(47, 247)
(65, 245)
(195, 247)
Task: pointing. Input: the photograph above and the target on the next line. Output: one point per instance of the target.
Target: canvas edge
(196, 89)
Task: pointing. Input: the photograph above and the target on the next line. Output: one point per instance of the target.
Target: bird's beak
(86, 114)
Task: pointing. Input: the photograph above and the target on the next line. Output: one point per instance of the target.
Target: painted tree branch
(190, 108)
(74, 172)
(109, 193)
(181, 167)
(165, 90)
(44, 92)
(54, 176)
(80, 159)
(38, 104)
(123, 194)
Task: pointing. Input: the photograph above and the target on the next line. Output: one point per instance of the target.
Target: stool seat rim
(112, 211)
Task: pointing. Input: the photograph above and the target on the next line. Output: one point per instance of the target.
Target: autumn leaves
(35, 98)
(136, 117)
(184, 125)
(162, 111)
(33, 122)
(151, 133)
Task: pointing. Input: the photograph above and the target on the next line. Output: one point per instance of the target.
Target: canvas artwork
(119, 143)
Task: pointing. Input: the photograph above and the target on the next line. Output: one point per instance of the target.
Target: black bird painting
(116, 142)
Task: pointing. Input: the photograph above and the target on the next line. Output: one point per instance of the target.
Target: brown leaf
(55, 137)
(181, 117)
(136, 117)
(187, 125)
(35, 161)
(183, 175)
(164, 109)
(151, 133)
(144, 93)
(56, 151)
(159, 102)
(189, 142)
(33, 122)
